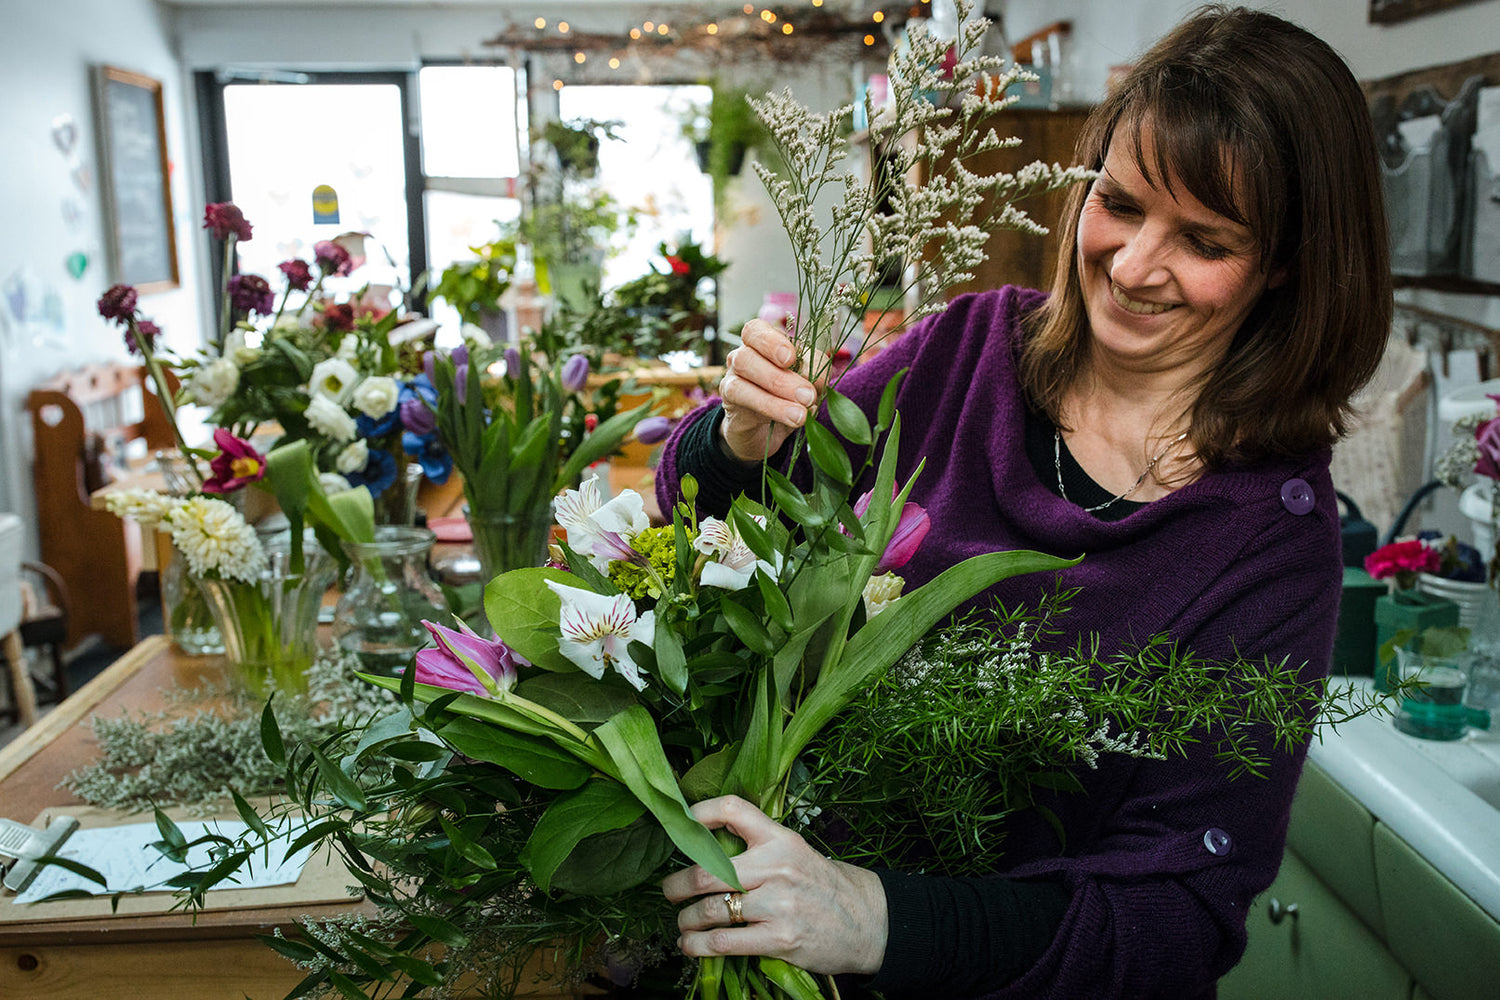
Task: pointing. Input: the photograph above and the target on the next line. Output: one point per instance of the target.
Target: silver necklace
(1057, 464)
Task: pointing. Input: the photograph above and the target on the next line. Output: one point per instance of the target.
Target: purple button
(1217, 842)
(1297, 496)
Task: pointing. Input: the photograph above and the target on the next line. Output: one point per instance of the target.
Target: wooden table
(170, 956)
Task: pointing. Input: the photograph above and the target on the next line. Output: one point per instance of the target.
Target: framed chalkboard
(134, 180)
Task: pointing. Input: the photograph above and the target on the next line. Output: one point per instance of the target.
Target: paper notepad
(128, 862)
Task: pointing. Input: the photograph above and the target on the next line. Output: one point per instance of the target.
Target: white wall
(46, 215)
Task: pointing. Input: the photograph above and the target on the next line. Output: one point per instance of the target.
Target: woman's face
(1166, 280)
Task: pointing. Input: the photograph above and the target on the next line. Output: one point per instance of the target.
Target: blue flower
(429, 452)
(378, 474)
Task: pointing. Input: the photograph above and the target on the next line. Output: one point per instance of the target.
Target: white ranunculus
(334, 378)
(329, 419)
(376, 396)
(354, 457)
(597, 632)
(215, 382)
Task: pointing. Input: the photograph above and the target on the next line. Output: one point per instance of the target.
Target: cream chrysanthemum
(214, 538)
(145, 507)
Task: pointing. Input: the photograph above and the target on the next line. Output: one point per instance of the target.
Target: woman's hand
(764, 400)
(822, 915)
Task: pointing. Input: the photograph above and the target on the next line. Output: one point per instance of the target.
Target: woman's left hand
(822, 915)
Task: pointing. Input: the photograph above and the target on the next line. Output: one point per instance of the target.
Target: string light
(749, 8)
(635, 34)
(540, 23)
(662, 29)
(879, 16)
(649, 26)
(557, 85)
(786, 29)
(614, 63)
(580, 58)
(817, 3)
(869, 39)
(562, 26)
(712, 29)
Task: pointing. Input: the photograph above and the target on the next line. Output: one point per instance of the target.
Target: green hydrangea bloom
(659, 546)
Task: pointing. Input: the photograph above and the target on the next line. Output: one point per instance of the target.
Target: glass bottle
(378, 618)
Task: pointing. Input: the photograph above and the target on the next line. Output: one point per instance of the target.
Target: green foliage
(474, 287)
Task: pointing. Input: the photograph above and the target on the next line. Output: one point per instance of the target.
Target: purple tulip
(429, 362)
(653, 429)
(512, 363)
(907, 538)
(463, 661)
(575, 373)
(1487, 436)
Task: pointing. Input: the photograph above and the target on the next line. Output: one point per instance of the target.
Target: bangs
(1214, 156)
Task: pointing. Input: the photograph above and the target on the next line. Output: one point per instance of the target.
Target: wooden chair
(75, 417)
(23, 693)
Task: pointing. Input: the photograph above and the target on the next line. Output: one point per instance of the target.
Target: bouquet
(1476, 451)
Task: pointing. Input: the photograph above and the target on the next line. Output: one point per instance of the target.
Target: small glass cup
(1435, 709)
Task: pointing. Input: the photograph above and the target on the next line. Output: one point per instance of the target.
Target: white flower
(735, 564)
(601, 531)
(334, 378)
(236, 350)
(329, 419)
(354, 457)
(332, 483)
(215, 538)
(348, 347)
(215, 382)
(597, 631)
(145, 507)
(376, 396)
(882, 590)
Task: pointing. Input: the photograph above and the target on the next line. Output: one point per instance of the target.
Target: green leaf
(775, 601)
(249, 815)
(887, 410)
(632, 742)
(524, 613)
(174, 842)
(474, 853)
(848, 419)
(342, 787)
(577, 697)
(827, 454)
(294, 950)
(705, 779)
(798, 983)
(270, 735)
(602, 441)
(615, 860)
(438, 929)
(76, 867)
(792, 501)
(530, 758)
(754, 535)
(747, 626)
(671, 662)
(598, 806)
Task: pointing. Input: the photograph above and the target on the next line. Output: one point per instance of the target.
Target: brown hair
(1263, 123)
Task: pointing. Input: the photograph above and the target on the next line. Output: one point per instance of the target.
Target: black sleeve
(720, 477)
(958, 937)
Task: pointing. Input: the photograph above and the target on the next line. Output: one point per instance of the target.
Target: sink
(1442, 798)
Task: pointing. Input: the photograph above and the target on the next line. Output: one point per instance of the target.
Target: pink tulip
(463, 661)
(1487, 436)
(236, 464)
(906, 539)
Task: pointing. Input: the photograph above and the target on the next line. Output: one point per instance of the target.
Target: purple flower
(575, 373)
(332, 258)
(144, 330)
(250, 293)
(1487, 436)
(417, 400)
(225, 219)
(512, 363)
(652, 430)
(463, 661)
(236, 464)
(906, 539)
(298, 275)
(118, 303)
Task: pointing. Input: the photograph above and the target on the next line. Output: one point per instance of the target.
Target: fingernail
(784, 356)
(794, 415)
(805, 396)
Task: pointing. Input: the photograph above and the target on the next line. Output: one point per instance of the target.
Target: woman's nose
(1139, 260)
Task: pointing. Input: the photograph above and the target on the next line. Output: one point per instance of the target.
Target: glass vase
(505, 541)
(379, 617)
(270, 626)
(185, 612)
(397, 503)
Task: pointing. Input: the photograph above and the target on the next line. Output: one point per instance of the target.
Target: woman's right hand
(764, 400)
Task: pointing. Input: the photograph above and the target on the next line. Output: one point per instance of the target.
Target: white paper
(128, 862)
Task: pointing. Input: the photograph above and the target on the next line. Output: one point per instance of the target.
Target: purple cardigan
(1162, 858)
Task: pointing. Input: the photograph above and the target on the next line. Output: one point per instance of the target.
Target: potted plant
(576, 143)
(474, 287)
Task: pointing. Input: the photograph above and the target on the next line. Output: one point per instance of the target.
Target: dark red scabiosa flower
(250, 293)
(145, 330)
(225, 218)
(118, 303)
(298, 275)
(338, 316)
(332, 258)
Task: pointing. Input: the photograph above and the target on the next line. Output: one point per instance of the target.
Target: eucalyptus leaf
(827, 454)
(848, 419)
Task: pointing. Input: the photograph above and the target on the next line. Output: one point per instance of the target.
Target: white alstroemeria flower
(599, 530)
(354, 457)
(735, 563)
(881, 591)
(376, 396)
(215, 382)
(333, 378)
(330, 419)
(597, 631)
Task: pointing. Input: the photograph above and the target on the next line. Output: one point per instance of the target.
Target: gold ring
(734, 903)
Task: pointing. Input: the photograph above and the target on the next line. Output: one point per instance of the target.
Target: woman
(1168, 411)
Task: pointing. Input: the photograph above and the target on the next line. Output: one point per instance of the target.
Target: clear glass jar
(186, 615)
(505, 541)
(378, 618)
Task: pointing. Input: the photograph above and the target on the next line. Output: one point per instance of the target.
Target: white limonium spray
(944, 221)
(597, 632)
(733, 565)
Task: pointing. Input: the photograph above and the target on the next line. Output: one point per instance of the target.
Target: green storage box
(1354, 645)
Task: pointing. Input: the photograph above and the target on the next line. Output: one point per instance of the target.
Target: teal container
(1354, 645)
(1402, 610)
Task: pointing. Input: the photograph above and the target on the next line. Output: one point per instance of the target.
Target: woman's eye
(1115, 206)
(1208, 251)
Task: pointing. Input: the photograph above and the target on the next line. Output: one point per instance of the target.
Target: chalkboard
(135, 181)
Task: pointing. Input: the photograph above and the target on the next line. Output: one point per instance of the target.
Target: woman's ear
(1277, 279)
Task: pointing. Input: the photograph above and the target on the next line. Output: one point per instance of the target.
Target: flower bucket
(1475, 504)
(185, 612)
(270, 627)
(1472, 598)
(1407, 609)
